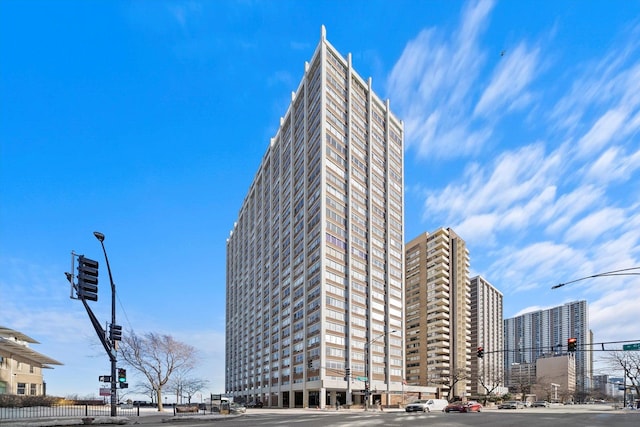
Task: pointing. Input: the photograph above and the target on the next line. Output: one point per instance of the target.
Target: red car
(471, 406)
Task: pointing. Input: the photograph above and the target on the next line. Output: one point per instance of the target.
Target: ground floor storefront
(322, 398)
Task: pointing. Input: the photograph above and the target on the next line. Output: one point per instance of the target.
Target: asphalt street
(581, 415)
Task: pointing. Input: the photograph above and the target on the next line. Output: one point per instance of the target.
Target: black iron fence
(66, 411)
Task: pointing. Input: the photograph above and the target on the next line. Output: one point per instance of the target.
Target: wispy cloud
(550, 197)
(433, 82)
(507, 88)
(183, 11)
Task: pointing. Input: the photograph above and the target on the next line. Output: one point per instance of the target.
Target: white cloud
(559, 199)
(507, 89)
(595, 224)
(433, 84)
(614, 314)
(602, 132)
(519, 269)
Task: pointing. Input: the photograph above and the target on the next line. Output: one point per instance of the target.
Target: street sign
(104, 378)
(635, 346)
(105, 392)
(361, 378)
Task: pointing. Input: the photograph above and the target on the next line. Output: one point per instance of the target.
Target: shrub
(16, 401)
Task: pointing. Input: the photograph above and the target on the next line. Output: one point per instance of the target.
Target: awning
(11, 347)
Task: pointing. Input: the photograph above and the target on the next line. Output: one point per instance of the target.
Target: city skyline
(147, 120)
(532, 335)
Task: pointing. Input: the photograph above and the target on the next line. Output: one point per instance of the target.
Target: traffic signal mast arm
(111, 352)
(622, 272)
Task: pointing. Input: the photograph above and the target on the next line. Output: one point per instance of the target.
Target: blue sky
(147, 120)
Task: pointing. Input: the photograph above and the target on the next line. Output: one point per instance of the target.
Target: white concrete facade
(487, 373)
(315, 259)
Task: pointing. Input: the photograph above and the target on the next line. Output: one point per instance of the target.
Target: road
(580, 415)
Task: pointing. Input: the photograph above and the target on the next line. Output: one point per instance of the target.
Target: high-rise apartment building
(546, 332)
(487, 372)
(315, 259)
(438, 312)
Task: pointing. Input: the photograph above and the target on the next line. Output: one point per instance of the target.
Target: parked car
(426, 405)
(417, 406)
(236, 408)
(540, 404)
(473, 406)
(459, 406)
(511, 404)
(255, 404)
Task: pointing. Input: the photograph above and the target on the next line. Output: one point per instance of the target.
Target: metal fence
(66, 411)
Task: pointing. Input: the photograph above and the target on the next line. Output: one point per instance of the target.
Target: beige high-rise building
(315, 260)
(438, 313)
(487, 372)
(555, 378)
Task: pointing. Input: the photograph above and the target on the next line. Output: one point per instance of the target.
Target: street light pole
(367, 383)
(112, 353)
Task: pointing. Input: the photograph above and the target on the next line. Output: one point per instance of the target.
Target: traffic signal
(572, 344)
(347, 374)
(122, 375)
(310, 364)
(480, 352)
(116, 333)
(87, 279)
(124, 385)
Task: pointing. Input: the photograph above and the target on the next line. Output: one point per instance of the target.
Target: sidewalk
(148, 416)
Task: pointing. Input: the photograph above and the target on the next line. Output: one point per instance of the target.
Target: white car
(426, 405)
(417, 406)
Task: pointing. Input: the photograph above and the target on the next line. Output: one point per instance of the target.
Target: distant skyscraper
(531, 335)
(315, 260)
(487, 373)
(438, 312)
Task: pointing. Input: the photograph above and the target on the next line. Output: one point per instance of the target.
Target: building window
(21, 388)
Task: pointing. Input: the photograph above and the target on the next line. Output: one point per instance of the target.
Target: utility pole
(86, 289)
(112, 353)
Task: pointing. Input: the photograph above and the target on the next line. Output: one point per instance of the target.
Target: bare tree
(544, 389)
(629, 363)
(449, 381)
(490, 382)
(146, 389)
(183, 385)
(157, 357)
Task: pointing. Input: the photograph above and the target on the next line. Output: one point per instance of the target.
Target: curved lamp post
(112, 355)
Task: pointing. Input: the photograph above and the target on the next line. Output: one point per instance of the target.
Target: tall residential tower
(315, 259)
(487, 372)
(545, 332)
(438, 313)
